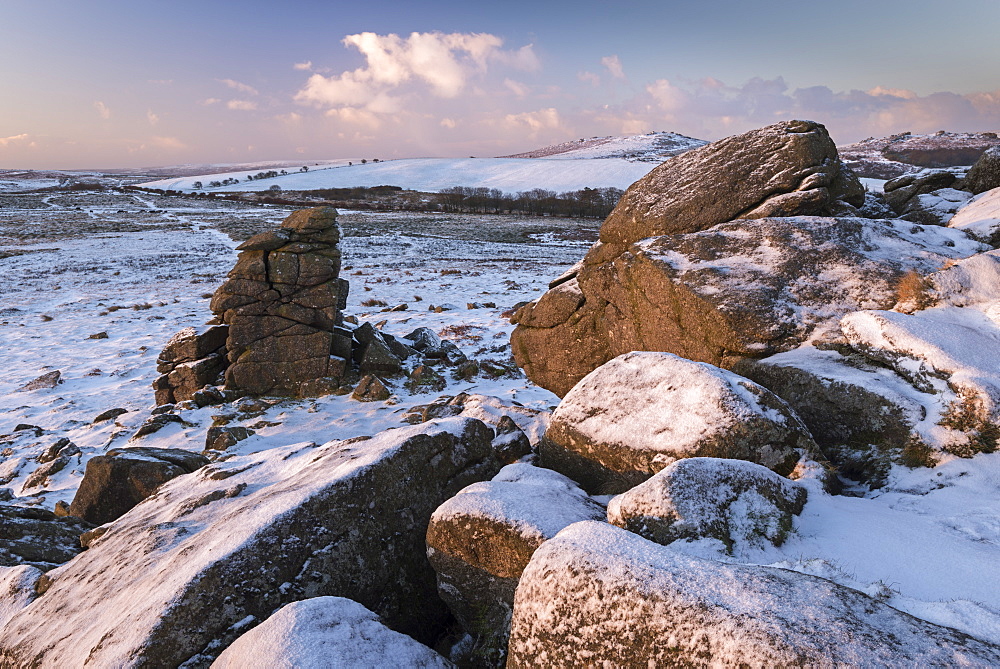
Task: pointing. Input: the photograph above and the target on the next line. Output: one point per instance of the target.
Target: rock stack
(283, 303)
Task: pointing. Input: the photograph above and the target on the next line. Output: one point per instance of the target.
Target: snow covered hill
(598, 162)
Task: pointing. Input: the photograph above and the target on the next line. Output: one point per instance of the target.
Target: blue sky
(109, 83)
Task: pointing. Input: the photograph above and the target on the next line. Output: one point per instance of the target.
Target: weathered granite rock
(638, 413)
(192, 359)
(596, 595)
(786, 169)
(326, 632)
(221, 438)
(283, 303)
(371, 389)
(175, 579)
(115, 482)
(741, 504)
(37, 537)
(863, 416)
(744, 289)
(985, 174)
(480, 540)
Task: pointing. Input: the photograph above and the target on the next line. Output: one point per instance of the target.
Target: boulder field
(752, 331)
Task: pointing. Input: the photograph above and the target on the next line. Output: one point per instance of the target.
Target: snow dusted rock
(633, 416)
(511, 443)
(480, 540)
(326, 632)
(17, 589)
(980, 217)
(863, 416)
(786, 169)
(597, 595)
(740, 289)
(115, 482)
(899, 191)
(37, 537)
(985, 174)
(43, 382)
(937, 351)
(188, 570)
(739, 503)
(935, 208)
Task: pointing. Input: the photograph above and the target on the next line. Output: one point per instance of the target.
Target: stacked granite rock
(283, 304)
(192, 359)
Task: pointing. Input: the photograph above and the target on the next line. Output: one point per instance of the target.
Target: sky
(112, 83)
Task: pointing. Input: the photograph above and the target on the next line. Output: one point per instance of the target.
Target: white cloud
(5, 141)
(444, 63)
(536, 120)
(355, 116)
(516, 87)
(151, 117)
(614, 65)
(307, 66)
(241, 87)
(901, 93)
(242, 105)
(448, 123)
(171, 143)
(211, 101)
(589, 78)
(102, 110)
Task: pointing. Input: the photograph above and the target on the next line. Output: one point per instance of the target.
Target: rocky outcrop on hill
(640, 412)
(283, 304)
(326, 632)
(116, 482)
(739, 503)
(184, 573)
(17, 589)
(903, 153)
(598, 595)
(480, 540)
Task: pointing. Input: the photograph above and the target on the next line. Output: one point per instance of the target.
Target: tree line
(588, 202)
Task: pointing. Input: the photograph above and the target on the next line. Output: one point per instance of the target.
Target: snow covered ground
(138, 268)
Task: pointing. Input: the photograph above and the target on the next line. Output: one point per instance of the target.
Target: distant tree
(196, 185)
(364, 161)
(374, 160)
(349, 163)
(283, 172)
(305, 168)
(275, 188)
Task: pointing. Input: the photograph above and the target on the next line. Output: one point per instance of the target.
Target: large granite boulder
(985, 174)
(326, 632)
(597, 595)
(187, 571)
(115, 482)
(786, 169)
(739, 503)
(480, 540)
(37, 537)
(743, 289)
(283, 303)
(642, 411)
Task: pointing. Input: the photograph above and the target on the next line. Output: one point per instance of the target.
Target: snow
(980, 216)
(17, 589)
(326, 632)
(510, 175)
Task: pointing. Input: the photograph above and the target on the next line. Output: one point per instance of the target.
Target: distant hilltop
(903, 153)
(651, 147)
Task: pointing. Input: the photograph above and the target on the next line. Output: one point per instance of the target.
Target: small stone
(98, 335)
(371, 389)
(109, 414)
(43, 382)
